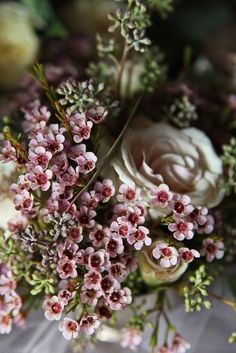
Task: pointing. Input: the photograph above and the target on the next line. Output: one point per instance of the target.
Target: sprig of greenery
(229, 161)
(232, 338)
(195, 294)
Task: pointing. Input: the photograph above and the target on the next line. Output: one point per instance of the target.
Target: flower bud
(153, 273)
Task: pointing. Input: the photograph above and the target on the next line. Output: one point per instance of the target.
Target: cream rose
(153, 273)
(183, 159)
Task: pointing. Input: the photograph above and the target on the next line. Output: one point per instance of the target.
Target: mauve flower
(5, 324)
(66, 268)
(39, 156)
(75, 234)
(121, 228)
(105, 190)
(97, 115)
(90, 297)
(188, 255)
(131, 338)
(114, 245)
(89, 324)
(181, 205)
(208, 227)
(85, 217)
(128, 193)
(92, 280)
(179, 345)
(81, 128)
(181, 229)
(167, 255)
(118, 299)
(138, 237)
(53, 308)
(119, 271)
(8, 152)
(109, 283)
(183, 159)
(161, 196)
(98, 235)
(24, 201)
(40, 178)
(69, 328)
(212, 249)
(65, 296)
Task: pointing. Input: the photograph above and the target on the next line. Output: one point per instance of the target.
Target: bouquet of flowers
(118, 190)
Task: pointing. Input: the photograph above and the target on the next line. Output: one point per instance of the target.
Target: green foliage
(41, 283)
(132, 23)
(164, 7)
(153, 70)
(232, 338)
(182, 112)
(44, 16)
(195, 294)
(229, 161)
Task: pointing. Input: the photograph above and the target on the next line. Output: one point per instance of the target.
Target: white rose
(183, 159)
(7, 207)
(18, 43)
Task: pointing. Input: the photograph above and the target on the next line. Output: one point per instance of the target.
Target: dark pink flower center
(182, 227)
(72, 326)
(130, 194)
(166, 252)
(106, 192)
(211, 248)
(67, 268)
(187, 256)
(56, 308)
(179, 207)
(41, 179)
(163, 196)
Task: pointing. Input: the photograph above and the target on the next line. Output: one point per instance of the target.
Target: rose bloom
(185, 160)
(153, 272)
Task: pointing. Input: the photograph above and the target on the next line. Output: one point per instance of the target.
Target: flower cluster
(10, 301)
(99, 255)
(185, 221)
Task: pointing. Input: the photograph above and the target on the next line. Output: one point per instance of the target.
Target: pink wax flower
(182, 229)
(161, 196)
(98, 235)
(105, 190)
(212, 249)
(85, 217)
(167, 255)
(131, 338)
(66, 268)
(5, 324)
(40, 178)
(118, 299)
(69, 328)
(53, 308)
(114, 245)
(181, 205)
(89, 324)
(188, 255)
(138, 237)
(97, 115)
(92, 280)
(179, 345)
(128, 193)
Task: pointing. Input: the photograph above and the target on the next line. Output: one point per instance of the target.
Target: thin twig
(109, 154)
